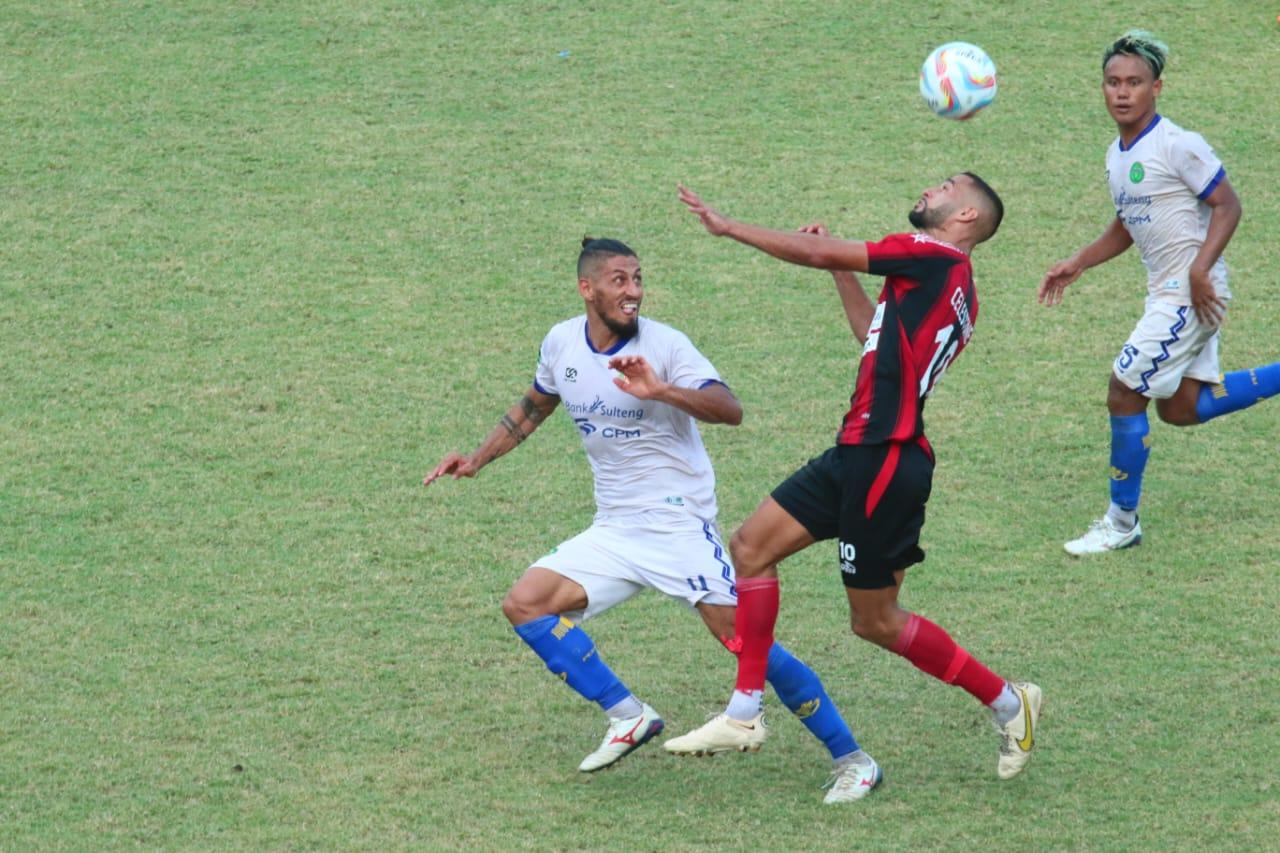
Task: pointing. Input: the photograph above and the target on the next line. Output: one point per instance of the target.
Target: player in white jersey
(635, 389)
(1174, 202)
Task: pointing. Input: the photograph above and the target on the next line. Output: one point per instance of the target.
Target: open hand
(715, 222)
(454, 464)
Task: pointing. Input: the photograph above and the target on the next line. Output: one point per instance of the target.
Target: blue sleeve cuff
(542, 390)
(1213, 185)
(707, 382)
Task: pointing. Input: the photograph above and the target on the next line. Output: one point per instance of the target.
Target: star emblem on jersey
(1137, 173)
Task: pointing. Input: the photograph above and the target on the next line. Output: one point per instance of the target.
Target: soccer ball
(957, 80)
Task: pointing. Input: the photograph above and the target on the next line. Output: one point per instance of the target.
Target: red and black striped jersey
(924, 318)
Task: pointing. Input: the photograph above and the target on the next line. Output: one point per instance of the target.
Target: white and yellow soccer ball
(957, 80)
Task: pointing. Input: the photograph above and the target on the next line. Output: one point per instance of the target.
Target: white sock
(1007, 705)
(745, 705)
(1122, 519)
(626, 709)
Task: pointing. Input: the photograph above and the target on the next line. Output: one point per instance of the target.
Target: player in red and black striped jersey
(868, 491)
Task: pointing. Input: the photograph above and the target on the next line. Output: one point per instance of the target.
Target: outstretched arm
(858, 307)
(713, 403)
(1111, 243)
(515, 426)
(807, 250)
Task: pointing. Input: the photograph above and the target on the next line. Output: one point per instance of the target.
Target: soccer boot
(1018, 736)
(852, 781)
(1103, 536)
(623, 738)
(721, 733)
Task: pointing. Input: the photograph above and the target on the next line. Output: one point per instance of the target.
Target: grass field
(262, 264)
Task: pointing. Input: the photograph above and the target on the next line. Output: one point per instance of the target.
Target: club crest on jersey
(571, 374)
(1137, 173)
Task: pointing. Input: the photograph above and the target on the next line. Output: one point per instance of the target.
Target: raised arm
(806, 250)
(858, 307)
(515, 426)
(713, 403)
(1114, 241)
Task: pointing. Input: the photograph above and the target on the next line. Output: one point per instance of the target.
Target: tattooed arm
(515, 426)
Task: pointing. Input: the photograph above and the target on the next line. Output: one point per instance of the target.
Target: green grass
(261, 265)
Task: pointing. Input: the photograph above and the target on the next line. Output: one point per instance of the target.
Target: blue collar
(586, 333)
(1150, 127)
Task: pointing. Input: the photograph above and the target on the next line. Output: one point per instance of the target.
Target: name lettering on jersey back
(961, 306)
(873, 331)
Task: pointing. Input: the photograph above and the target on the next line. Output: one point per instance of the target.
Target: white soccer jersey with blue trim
(1159, 184)
(643, 454)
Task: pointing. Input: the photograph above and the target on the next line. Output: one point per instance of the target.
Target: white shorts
(1168, 343)
(673, 552)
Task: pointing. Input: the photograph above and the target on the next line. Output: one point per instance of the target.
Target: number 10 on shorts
(847, 553)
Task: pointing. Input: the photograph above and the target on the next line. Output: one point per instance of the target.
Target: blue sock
(569, 653)
(1239, 390)
(1130, 447)
(801, 691)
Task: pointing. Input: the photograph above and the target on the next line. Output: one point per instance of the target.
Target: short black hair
(595, 249)
(1141, 44)
(997, 205)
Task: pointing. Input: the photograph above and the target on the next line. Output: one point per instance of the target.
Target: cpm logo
(585, 425)
(571, 374)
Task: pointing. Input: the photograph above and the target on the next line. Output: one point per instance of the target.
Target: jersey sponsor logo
(674, 500)
(600, 407)
(847, 554)
(585, 425)
(571, 374)
(619, 432)
(1137, 173)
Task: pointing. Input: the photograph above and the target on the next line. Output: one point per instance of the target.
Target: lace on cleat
(623, 738)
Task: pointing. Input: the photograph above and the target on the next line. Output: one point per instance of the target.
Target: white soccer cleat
(721, 733)
(623, 738)
(850, 781)
(1018, 736)
(1103, 536)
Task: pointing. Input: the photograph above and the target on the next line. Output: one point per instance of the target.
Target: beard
(926, 217)
(623, 329)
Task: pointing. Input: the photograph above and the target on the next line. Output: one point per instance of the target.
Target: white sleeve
(544, 375)
(689, 368)
(1196, 163)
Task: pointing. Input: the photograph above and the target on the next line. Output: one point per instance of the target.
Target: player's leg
(764, 540)
(1151, 365)
(879, 538)
(542, 607)
(1206, 394)
(796, 684)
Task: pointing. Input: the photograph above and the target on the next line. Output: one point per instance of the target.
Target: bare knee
(877, 628)
(525, 602)
(749, 560)
(880, 627)
(1178, 416)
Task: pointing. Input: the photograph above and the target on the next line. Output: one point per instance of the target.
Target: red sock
(753, 624)
(931, 649)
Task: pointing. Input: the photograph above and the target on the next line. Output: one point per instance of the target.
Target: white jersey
(644, 454)
(1159, 184)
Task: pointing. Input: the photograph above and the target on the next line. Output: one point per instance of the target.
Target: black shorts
(869, 497)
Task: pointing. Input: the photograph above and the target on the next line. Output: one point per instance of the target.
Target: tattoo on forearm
(512, 428)
(531, 410)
